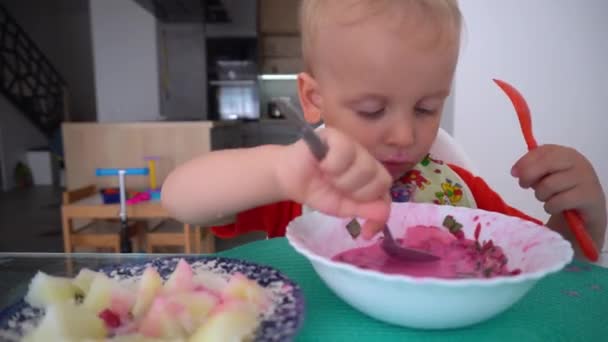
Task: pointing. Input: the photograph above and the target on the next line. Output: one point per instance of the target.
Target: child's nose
(401, 134)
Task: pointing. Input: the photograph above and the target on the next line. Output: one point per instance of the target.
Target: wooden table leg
(149, 246)
(208, 241)
(69, 267)
(187, 239)
(116, 246)
(198, 240)
(67, 227)
(140, 232)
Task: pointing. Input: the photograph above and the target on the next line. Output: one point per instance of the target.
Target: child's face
(383, 84)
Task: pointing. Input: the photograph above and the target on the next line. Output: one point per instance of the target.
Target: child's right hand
(349, 182)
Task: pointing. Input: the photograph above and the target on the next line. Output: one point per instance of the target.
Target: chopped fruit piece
(209, 281)
(451, 224)
(232, 322)
(214, 307)
(45, 290)
(111, 319)
(197, 307)
(163, 319)
(149, 286)
(99, 296)
(122, 302)
(84, 279)
(106, 293)
(244, 289)
(181, 279)
(140, 338)
(68, 322)
(354, 228)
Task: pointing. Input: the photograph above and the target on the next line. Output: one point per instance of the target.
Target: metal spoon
(319, 149)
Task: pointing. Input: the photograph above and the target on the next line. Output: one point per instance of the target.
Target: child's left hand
(562, 178)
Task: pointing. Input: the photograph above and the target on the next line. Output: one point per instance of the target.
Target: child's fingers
(374, 188)
(566, 200)
(352, 170)
(341, 206)
(362, 171)
(340, 156)
(377, 214)
(554, 184)
(536, 164)
(371, 228)
(377, 210)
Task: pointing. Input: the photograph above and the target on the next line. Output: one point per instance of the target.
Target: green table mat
(571, 305)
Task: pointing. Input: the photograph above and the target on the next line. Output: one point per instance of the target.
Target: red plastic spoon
(575, 222)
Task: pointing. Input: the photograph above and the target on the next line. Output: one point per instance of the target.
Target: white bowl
(431, 303)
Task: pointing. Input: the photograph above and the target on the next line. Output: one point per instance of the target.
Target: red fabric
(488, 199)
(273, 218)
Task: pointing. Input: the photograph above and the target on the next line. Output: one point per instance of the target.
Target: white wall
(556, 53)
(125, 61)
(62, 30)
(18, 135)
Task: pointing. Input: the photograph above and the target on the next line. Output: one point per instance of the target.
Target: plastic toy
(152, 168)
(125, 244)
(154, 190)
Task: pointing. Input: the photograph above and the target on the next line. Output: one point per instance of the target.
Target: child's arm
(348, 182)
(222, 183)
(562, 178)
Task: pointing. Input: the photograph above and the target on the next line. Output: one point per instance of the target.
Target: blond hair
(315, 13)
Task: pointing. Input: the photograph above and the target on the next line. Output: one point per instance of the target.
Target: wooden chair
(98, 233)
(193, 238)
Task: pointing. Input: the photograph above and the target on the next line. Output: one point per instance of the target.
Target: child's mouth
(397, 163)
(395, 168)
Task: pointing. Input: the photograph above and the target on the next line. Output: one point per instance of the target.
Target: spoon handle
(575, 222)
(577, 227)
(317, 147)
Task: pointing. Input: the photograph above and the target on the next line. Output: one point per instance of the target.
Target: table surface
(571, 305)
(93, 207)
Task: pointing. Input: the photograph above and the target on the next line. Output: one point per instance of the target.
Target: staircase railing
(28, 79)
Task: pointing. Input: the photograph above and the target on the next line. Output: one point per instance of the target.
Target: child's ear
(309, 98)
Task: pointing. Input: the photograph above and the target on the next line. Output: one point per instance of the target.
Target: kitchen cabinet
(281, 46)
(281, 65)
(280, 43)
(243, 134)
(224, 137)
(279, 17)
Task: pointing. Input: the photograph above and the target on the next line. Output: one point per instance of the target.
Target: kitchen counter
(239, 134)
(88, 146)
(222, 123)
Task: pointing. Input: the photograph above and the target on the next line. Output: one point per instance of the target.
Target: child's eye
(424, 111)
(371, 114)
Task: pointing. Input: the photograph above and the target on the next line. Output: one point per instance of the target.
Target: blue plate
(280, 323)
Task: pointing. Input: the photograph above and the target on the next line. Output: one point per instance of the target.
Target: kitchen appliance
(237, 90)
(274, 110)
